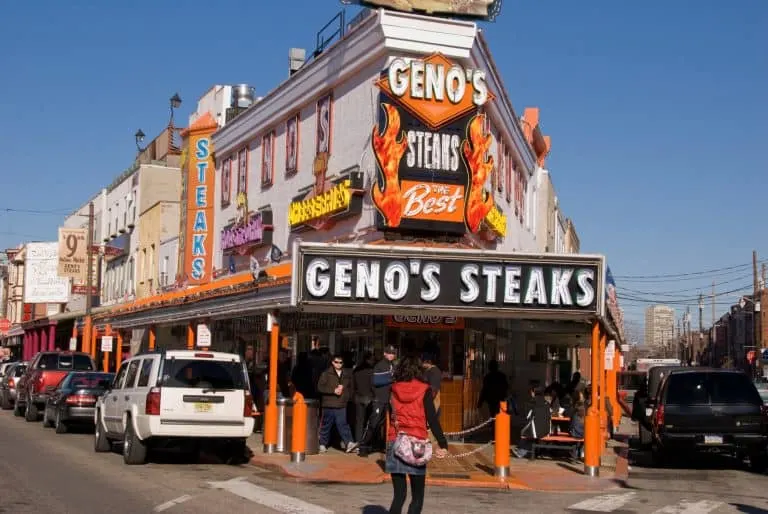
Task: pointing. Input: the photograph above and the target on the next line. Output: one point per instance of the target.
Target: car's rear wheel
(46, 420)
(32, 413)
(134, 449)
(5, 402)
(61, 426)
(100, 442)
(758, 462)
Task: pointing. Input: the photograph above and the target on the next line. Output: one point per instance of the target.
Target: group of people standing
(406, 389)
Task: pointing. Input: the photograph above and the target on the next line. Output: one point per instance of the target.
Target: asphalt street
(47, 473)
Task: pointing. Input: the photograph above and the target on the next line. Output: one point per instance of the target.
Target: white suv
(176, 396)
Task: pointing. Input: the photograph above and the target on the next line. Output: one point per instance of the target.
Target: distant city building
(659, 325)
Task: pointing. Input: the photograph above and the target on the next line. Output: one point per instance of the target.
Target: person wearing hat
(382, 385)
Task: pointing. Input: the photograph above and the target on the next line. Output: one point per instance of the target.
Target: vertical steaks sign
(431, 149)
(465, 282)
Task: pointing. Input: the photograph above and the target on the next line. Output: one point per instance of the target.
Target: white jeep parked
(175, 397)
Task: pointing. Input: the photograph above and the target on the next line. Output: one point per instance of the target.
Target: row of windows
(237, 165)
(126, 207)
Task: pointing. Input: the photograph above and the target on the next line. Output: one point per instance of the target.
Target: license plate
(648, 412)
(203, 407)
(713, 439)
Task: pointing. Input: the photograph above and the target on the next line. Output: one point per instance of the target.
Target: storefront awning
(18, 330)
(253, 302)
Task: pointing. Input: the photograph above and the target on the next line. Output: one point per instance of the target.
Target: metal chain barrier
(470, 430)
(470, 452)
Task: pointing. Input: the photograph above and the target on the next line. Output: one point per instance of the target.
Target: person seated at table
(539, 424)
(577, 427)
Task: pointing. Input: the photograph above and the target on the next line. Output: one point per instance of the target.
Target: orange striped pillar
(94, 341)
(87, 328)
(152, 335)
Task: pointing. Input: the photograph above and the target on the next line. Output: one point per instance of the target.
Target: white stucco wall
(349, 70)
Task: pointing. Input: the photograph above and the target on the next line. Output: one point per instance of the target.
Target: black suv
(701, 409)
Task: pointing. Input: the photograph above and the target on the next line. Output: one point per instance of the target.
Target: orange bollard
(270, 411)
(502, 442)
(299, 429)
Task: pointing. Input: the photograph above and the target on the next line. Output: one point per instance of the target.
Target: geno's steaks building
(380, 195)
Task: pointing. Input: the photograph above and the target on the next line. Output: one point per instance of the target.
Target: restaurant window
(226, 182)
(267, 159)
(242, 173)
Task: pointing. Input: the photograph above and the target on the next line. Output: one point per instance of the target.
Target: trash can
(285, 426)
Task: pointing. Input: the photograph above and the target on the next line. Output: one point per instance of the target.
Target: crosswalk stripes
(268, 498)
(604, 503)
(688, 507)
(616, 502)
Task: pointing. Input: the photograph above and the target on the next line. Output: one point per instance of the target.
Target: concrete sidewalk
(474, 471)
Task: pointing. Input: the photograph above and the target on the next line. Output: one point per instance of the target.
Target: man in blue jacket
(382, 385)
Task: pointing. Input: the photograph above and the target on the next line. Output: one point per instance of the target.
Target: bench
(555, 442)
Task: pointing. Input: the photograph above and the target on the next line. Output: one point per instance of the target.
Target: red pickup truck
(43, 375)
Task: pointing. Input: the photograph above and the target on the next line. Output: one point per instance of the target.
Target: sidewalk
(474, 471)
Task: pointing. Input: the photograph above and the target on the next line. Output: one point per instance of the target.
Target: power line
(670, 280)
(689, 274)
(670, 292)
(57, 212)
(692, 300)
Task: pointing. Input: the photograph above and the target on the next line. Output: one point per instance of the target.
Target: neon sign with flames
(431, 180)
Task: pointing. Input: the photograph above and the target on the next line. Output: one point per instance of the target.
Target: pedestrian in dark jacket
(539, 417)
(382, 385)
(363, 384)
(335, 388)
(495, 389)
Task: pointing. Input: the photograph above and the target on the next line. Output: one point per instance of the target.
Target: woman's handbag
(409, 449)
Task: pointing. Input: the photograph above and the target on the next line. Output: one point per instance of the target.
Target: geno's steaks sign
(351, 277)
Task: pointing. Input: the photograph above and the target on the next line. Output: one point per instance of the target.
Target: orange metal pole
(119, 350)
(616, 370)
(502, 441)
(592, 420)
(299, 429)
(190, 336)
(270, 414)
(152, 338)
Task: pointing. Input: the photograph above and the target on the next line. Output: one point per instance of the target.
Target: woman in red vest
(408, 446)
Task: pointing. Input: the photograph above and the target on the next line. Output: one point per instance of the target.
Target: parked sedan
(10, 379)
(73, 401)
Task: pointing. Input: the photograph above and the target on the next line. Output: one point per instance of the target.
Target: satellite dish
(253, 265)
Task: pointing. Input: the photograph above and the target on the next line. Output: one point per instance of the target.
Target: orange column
(119, 350)
(190, 336)
(105, 355)
(86, 345)
(592, 441)
(94, 341)
(270, 414)
(152, 334)
(74, 333)
(601, 396)
(615, 387)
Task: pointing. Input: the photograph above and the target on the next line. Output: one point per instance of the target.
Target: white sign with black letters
(391, 278)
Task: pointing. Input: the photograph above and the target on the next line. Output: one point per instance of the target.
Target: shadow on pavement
(374, 509)
(749, 509)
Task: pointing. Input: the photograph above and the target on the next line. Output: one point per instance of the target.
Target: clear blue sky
(656, 109)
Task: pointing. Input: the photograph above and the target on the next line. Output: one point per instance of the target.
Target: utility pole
(755, 312)
(89, 285)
